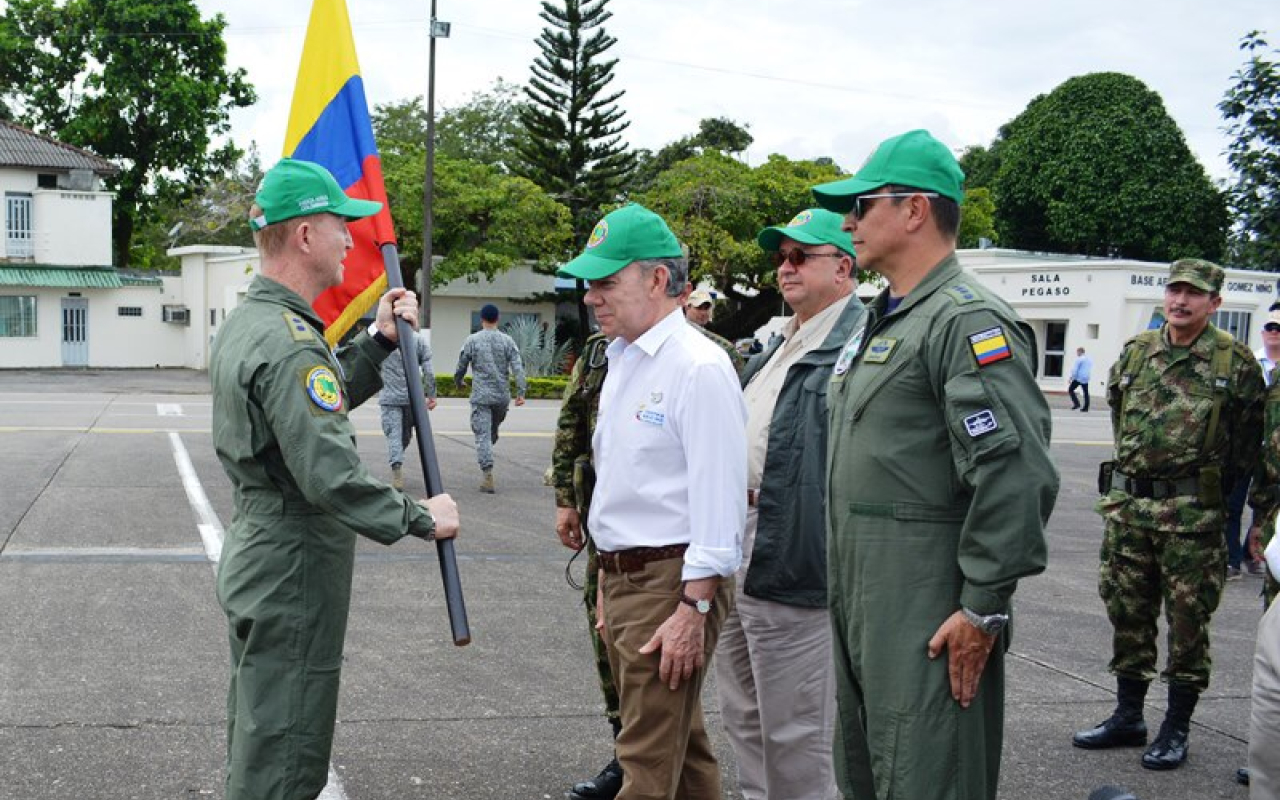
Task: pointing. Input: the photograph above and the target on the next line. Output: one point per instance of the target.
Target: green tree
(1098, 167)
(720, 134)
(980, 165)
(485, 128)
(977, 217)
(574, 148)
(143, 84)
(486, 220)
(218, 214)
(717, 205)
(1251, 109)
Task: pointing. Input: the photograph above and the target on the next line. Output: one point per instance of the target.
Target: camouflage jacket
(577, 422)
(1160, 418)
(493, 357)
(395, 386)
(1265, 494)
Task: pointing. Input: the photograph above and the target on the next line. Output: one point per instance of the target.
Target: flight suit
(939, 487)
(281, 431)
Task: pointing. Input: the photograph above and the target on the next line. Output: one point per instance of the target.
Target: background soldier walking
(1186, 411)
(492, 356)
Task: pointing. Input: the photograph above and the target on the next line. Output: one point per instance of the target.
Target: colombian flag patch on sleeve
(990, 346)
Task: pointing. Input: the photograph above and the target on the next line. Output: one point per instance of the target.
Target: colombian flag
(329, 124)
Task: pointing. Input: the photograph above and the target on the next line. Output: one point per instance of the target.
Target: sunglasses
(797, 257)
(1272, 327)
(859, 210)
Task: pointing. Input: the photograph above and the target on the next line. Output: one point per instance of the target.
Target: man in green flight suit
(1186, 411)
(939, 486)
(280, 403)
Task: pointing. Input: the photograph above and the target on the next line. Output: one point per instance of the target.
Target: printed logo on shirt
(323, 389)
(879, 350)
(982, 422)
(849, 353)
(652, 417)
(990, 346)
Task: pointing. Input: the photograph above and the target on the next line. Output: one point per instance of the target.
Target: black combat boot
(1125, 727)
(1169, 749)
(608, 783)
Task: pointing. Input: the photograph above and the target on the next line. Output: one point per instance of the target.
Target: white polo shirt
(670, 449)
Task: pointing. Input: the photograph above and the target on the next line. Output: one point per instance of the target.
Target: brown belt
(636, 557)
(753, 497)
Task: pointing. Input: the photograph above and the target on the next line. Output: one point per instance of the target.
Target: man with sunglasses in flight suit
(939, 486)
(773, 662)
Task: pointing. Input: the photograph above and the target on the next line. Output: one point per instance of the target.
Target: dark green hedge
(549, 388)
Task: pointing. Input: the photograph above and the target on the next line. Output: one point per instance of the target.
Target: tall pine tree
(574, 149)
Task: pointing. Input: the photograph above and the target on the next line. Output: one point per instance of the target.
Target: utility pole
(439, 30)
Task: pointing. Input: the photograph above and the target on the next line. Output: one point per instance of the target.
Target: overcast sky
(809, 78)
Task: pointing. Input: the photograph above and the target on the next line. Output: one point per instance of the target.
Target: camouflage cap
(1204, 275)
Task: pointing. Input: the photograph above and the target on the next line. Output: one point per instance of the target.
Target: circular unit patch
(800, 219)
(323, 389)
(598, 234)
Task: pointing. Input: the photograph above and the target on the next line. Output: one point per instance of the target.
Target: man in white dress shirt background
(669, 503)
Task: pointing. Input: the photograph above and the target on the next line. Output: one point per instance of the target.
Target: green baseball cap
(1204, 275)
(295, 188)
(811, 226)
(632, 233)
(914, 159)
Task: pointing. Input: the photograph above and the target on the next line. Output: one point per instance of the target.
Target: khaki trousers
(775, 678)
(1264, 723)
(663, 747)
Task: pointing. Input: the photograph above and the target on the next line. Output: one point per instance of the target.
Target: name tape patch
(982, 422)
(990, 346)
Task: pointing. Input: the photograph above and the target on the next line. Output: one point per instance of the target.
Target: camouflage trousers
(397, 426)
(1140, 570)
(603, 671)
(485, 420)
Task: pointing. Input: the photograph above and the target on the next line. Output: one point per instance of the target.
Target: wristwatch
(990, 624)
(701, 606)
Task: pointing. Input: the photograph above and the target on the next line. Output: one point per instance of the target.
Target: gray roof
(20, 147)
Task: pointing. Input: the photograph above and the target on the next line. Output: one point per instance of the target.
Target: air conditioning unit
(179, 315)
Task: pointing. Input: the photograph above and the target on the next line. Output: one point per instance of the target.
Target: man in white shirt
(669, 502)
(774, 674)
(1080, 374)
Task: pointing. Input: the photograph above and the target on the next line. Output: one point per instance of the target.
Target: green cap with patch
(632, 233)
(811, 226)
(1204, 275)
(914, 159)
(294, 188)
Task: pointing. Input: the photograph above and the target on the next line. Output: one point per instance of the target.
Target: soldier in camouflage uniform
(573, 478)
(393, 400)
(1186, 410)
(492, 356)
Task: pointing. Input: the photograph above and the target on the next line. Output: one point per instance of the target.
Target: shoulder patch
(323, 388)
(298, 328)
(961, 293)
(990, 346)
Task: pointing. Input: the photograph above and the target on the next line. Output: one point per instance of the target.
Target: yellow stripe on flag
(328, 62)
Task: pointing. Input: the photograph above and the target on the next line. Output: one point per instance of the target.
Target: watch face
(703, 606)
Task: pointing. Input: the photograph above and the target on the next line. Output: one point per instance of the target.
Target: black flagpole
(427, 453)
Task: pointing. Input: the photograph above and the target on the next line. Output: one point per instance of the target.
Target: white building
(1097, 304)
(61, 301)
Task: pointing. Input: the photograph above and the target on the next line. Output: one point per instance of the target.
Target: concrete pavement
(113, 657)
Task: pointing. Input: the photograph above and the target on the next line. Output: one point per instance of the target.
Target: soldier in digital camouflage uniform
(1187, 411)
(281, 430)
(493, 357)
(393, 401)
(572, 477)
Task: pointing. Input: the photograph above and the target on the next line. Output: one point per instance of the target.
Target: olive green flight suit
(280, 428)
(939, 484)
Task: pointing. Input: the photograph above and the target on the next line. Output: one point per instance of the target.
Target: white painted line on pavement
(169, 409)
(206, 520)
(211, 531)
